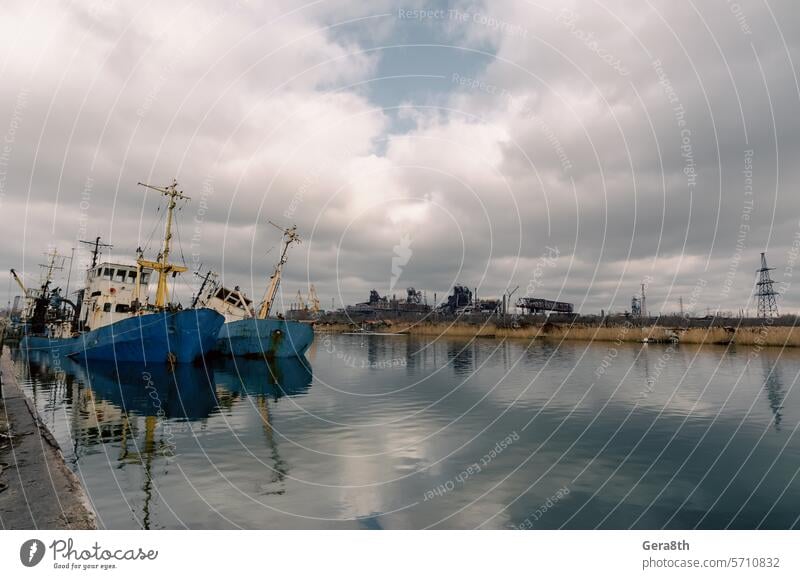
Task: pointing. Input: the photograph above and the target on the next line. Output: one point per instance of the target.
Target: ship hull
(50, 345)
(270, 338)
(163, 337)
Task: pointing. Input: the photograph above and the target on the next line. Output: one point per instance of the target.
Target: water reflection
(132, 404)
(629, 434)
(273, 379)
(142, 411)
(774, 387)
(185, 392)
(461, 356)
(264, 382)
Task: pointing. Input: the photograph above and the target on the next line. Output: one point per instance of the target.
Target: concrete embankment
(37, 488)
(762, 335)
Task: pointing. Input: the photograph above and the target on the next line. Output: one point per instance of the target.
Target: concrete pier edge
(43, 492)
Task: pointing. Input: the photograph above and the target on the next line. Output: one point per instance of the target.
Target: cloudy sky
(574, 149)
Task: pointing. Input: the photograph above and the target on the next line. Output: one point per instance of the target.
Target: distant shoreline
(762, 335)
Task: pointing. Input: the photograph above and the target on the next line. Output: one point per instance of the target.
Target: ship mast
(96, 249)
(289, 236)
(206, 279)
(162, 265)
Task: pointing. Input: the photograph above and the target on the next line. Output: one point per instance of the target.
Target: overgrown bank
(763, 334)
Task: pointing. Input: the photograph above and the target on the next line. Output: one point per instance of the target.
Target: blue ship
(270, 337)
(251, 333)
(182, 336)
(111, 322)
(161, 337)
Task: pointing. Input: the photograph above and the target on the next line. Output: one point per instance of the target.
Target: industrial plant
(542, 315)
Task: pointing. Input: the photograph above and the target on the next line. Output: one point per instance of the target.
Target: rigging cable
(155, 226)
(178, 235)
(180, 249)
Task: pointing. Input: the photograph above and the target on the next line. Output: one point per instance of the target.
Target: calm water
(402, 432)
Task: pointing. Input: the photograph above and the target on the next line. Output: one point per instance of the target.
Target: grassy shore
(760, 335)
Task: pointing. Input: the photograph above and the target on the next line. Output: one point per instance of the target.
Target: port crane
(30, 296)
(290, 236)
(301, 304)
(25, 291)
(313, 300)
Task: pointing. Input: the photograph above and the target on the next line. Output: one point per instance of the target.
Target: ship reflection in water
(145, 414)
(412, 432)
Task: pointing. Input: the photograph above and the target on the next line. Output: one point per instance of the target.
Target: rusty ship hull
(269, 337)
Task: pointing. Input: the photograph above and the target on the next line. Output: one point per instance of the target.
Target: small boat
(251, 333)
(363, 332)
(46, 317)
(113, 319)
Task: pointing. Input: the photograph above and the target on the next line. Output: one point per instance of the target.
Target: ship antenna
(95, 251)
(207, 277)
(50, 267)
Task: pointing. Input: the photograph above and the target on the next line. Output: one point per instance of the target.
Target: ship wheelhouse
(111, 293)
(231, 303)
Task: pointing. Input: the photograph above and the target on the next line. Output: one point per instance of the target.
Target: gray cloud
(564, 134)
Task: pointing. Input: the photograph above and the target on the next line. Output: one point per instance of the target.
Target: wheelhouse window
(121, 275)
(108, 273)
(145, 278)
